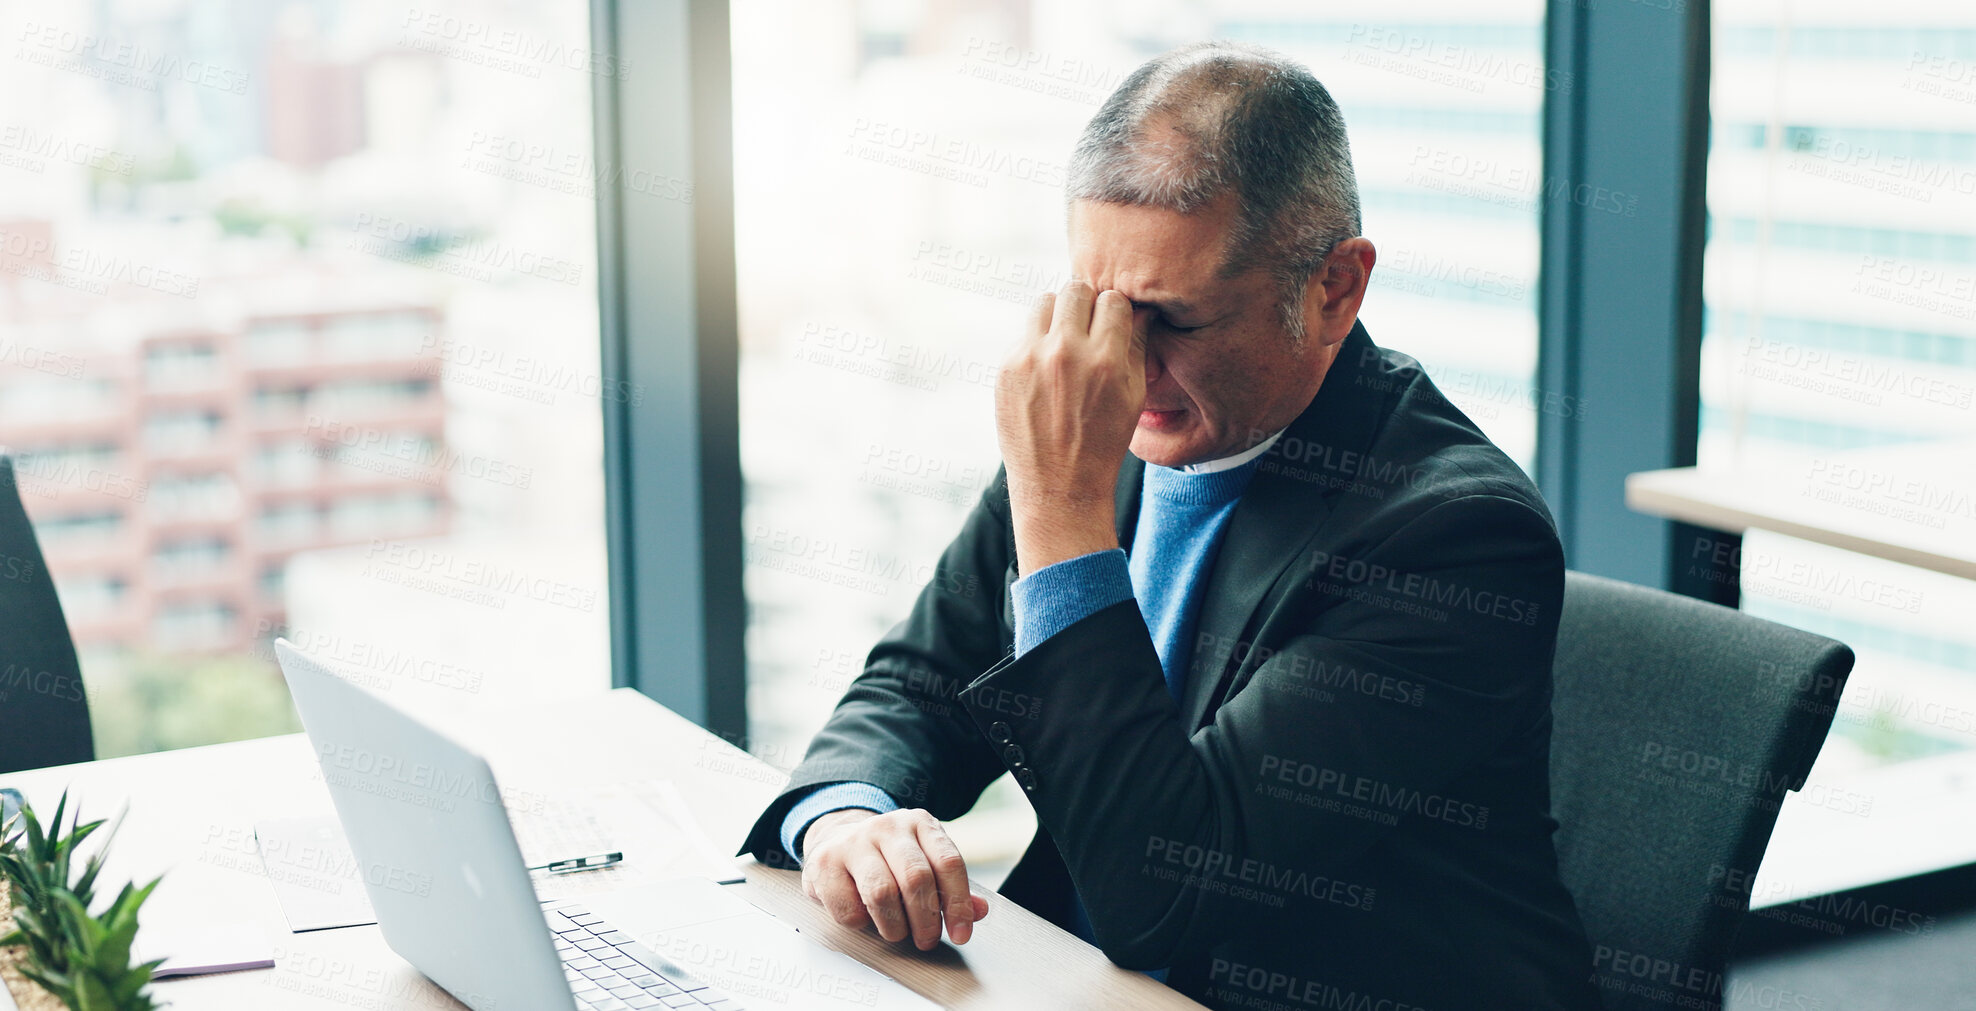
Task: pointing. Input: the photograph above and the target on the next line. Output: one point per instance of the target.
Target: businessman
(1265, 624)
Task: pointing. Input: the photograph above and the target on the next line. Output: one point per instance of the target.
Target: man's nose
(1142, 323)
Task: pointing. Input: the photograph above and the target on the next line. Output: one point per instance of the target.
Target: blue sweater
(1182, 514)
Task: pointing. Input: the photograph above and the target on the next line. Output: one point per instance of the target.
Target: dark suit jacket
(1350, 808)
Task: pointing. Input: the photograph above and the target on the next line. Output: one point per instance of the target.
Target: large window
(1840, 355)
(300, 313)
(899, 191)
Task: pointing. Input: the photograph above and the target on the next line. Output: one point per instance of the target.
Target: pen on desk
(580, 863)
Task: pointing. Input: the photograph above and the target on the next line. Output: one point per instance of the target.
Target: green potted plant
(81, 958)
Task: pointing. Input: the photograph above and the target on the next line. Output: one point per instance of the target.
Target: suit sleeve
(901, 725)
(1460, 603)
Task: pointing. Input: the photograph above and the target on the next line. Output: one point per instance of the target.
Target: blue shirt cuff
(825, 799)
(1058, 596)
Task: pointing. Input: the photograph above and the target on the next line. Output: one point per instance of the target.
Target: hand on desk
(897, 870)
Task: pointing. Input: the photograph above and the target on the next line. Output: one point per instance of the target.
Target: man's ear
(1332, 297)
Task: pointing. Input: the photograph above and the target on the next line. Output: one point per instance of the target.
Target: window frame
(670, 346)
(1619, 322)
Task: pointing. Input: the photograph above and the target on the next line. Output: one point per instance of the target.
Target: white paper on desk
(662, 795)
(313, 872)
(646, 820)
(315, 875)
(195, 951)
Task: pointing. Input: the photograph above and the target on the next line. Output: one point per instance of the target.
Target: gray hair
(1205, 119)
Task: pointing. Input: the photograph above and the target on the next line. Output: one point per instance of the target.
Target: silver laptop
(453, 896)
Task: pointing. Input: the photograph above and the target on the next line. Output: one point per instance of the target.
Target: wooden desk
(1914, 504)
(192, 813)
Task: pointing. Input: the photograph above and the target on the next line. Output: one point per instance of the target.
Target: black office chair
(44, 713)
(1679, 726)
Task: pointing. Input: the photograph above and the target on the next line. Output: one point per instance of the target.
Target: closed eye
(1164, 322)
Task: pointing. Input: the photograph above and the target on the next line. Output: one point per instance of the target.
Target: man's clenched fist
(1066, 405)
(897, 870)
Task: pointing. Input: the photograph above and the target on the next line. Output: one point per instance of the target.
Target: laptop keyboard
(608, 971)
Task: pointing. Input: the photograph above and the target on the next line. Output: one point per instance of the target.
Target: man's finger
(919, 892)
(950, 874)
(1040, 313)
(1111, 324)
(838, 892)
(1072, 318)
(879, 892)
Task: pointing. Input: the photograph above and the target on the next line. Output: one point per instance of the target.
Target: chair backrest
(44, 713)
(1678, 727)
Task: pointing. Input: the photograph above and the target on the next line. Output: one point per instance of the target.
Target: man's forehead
(1155, 256)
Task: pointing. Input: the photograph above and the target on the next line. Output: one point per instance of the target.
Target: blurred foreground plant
(82, 959)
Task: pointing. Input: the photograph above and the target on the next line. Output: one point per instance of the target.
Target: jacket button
(1012, 754)
(999, 732)
(1027, 779)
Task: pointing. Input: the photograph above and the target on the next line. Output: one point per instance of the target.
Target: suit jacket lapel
(1125, 498)
(1279, 513)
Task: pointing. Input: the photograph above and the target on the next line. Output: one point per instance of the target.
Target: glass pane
(1839, 354)
(299, 316)
(899, 191)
